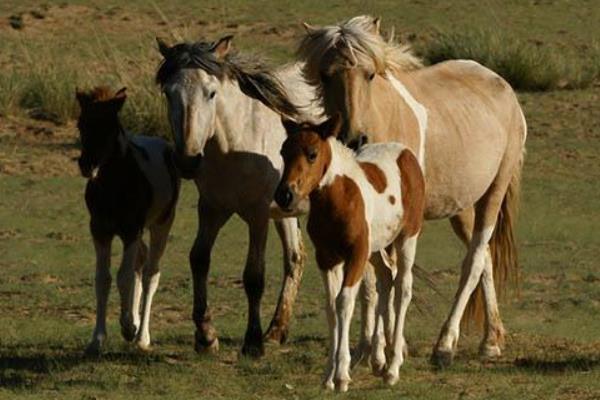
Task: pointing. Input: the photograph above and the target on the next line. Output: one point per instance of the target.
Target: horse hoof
(490, 351)
(276, 334)
(253, 350)
(128, 332)
(144, 347)
(442, 358)
(204, 347)
(328, 385)
(390, 379)
(377, 369)
(93, 349)
(342, 386)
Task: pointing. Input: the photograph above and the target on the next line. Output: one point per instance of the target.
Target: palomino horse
(132, 185)
(466, 126)
(358, 205)
(224, 111)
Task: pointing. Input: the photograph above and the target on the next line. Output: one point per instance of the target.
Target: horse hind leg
(211, 221)
(293, 267)
(486, 215)
(493, 328)
(151, 277)
(368, 319)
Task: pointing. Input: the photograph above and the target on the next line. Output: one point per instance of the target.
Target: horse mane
(98, 94)
(254, 78)
(354, 42)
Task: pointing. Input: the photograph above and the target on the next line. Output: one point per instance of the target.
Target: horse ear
(376, 25)
(163, 47)
(331, 127)
(82, 97)
(121, 93)
(291, 127)
(309, 28)
(116, 103)
(222, 47)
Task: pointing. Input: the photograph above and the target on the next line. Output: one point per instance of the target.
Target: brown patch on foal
(338, 228)
(375, 176)
(392, 199)
(412, 186)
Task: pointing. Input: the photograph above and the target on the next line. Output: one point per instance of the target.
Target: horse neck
(343, 162)
(120, 148)
(234, 118)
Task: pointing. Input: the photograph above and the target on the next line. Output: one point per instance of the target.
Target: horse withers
(132, 185)
(360, 205)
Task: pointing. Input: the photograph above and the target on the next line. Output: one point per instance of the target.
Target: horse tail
(503, 253)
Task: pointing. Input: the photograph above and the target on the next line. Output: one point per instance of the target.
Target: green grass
(526, 66)
(46, 255)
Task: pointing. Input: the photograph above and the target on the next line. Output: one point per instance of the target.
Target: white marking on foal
(420, 113)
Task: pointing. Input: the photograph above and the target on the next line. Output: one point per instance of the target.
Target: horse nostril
(283, 196)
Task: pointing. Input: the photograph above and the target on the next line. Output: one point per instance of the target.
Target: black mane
(254, 78)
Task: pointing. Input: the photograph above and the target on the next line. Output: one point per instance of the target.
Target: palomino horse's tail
(503, 251)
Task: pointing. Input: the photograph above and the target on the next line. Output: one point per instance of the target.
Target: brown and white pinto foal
(132, 185)
(359, 205)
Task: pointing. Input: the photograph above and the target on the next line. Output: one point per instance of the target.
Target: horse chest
(336, 223)
(118, 200)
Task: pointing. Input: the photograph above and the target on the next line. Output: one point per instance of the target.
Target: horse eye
(212, 94)
(371, 76)
(311, 156)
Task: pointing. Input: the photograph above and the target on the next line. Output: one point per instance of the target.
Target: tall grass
(526, 66)
(46, 88)
(45, 78)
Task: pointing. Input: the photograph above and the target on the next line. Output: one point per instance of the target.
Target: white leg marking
(403, 287)
(345, 308)
(151, 277)
(332, 281)
(368, 306)
(420, 113)
(473, 266)
(102, 283)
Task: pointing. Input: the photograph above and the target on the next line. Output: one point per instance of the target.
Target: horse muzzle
(358, 142)
(285, 198)
(87, 169)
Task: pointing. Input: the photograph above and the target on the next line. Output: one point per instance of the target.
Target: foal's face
(306, 156)
(99, 130)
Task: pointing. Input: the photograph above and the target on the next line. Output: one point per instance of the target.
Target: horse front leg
(126, 283)
(403, 283)
(254, 278)
(150, 279)
(333, 277)
(211, 220)
(102, 285)
(293, 267)
(368, 319)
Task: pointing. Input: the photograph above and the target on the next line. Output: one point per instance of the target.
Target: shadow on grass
(574, 363)
(24, 370)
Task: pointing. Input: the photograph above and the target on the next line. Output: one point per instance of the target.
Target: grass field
(46, 256)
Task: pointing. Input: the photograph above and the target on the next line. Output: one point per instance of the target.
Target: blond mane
(353, 43)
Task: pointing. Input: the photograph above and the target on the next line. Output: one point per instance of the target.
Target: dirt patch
(38, 148)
